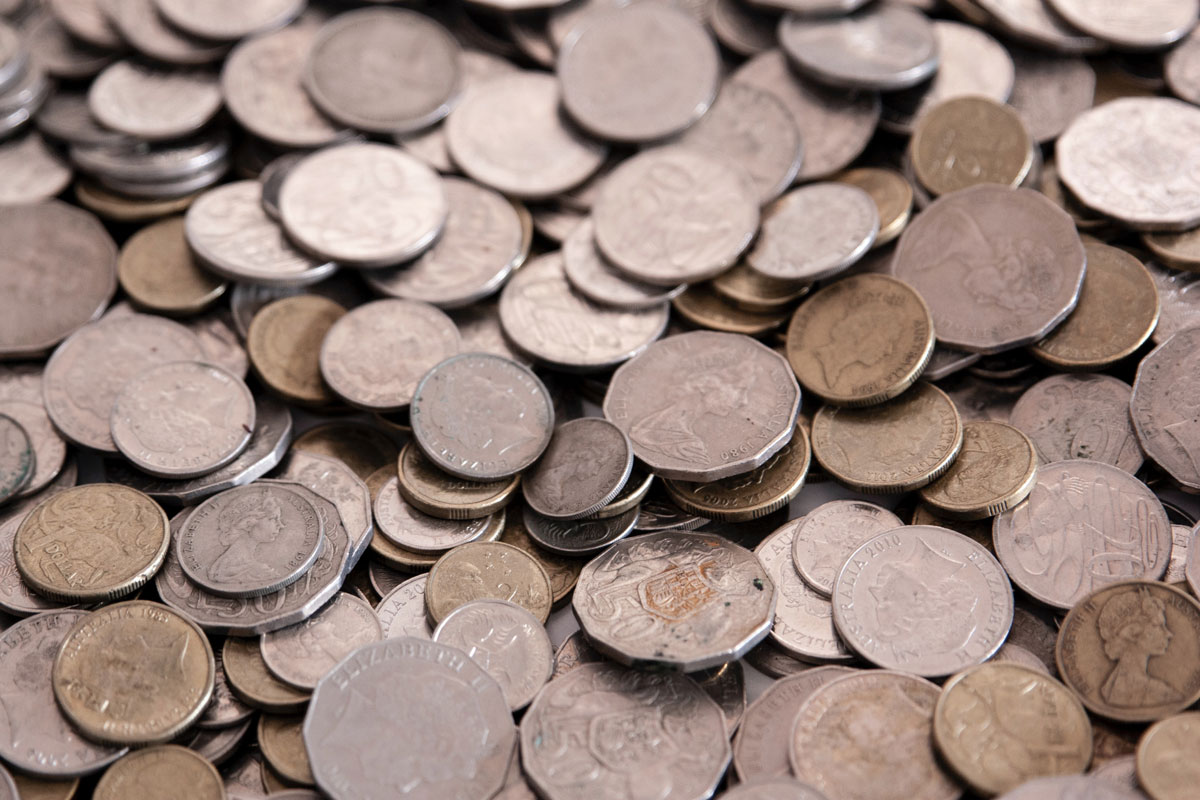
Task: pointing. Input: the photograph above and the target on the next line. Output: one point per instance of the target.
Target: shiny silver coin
(330, 479)
(300, 655)
(413, 530)
(585, 466)
(1162, 407)
(34, 173)
(578, 537)
(815, 232)
(401, 612)
(153, 103)
(228, 20)
(17, 465)
(827, 535)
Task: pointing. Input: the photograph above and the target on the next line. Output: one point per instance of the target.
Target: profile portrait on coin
(671, 430)
(241, 528)
(23, 707)
(179, 415)
(874, 339)
(1133, 629)
(499, 419)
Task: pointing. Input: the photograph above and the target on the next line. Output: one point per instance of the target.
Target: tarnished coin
(38, 172)
(672, 215)
(884, 47)
(901, 445)
(1129, 651)
(91, 543)
(250, 541)
(1033, 719)
(154, 103)
(923, 599)
(594, 277)
(363, 205)
(374, 356)
(1157, 24)
(1162, 766)
(442, 495)
(995, 469)
(967, 141)
(1162, 407)
(1080, 416)
(282, 746)
(401, 612)
(1177, 301)
(815, 232)
(227, 20)
(166, 772)
(1050, 90)
(133, 673)
(38, 466)
(861, 340)
(579, 537)
(60, 273)
(487, 570)
(284, 345)
(704, 308)
(414, 530)
(507, 641)
(885, 719)
(702, 406)
(18, 458)
(300, 655)
(826, 536)
(1086, 524)
(158, 272)
(1176, 250)
(333, 481)
(253, 683)
(688, 759)
(685, 601)
(380, 720)
(893, 196)
(998, 267)
(585, 465)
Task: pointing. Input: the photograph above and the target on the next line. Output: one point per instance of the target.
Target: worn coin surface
(815, 232)
(1033, 720)
(966, 141)
(1161, 407)
(161, 773)
(427, 699)
(1131, 651)
(1050, 90)
(703, 405)
(618, 705)
(1080, 416)
(133, 673)
(1158, 24)
(826, 536)
(893, 196)
(594, 277)
(227, 20)
(253, 683)
(282, 744)
(1163, 770)
(158, 271)
(487, 570)
(995, 469)
(585, 465)
(419, 532)
(154, 103)
(300, 655)
(578, 537)
(284, 345)
(923, 599)
(562, 569)
(17, 458)
(442, 495)
(333, 481)
(1177, 250)
(401, 611)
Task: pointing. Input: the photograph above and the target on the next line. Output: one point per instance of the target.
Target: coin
(1111, 635)
(159, 773)
(594, 277)
(688, 761)
(1095, 336)
(299, 655)
(414, 530)
(479, 326)
(253, 683)
(1037, 25)
(967, 141)
(1160, 770)
(893, 196)
(885, 717)
(487, 570)
(995, 470)
(401, 612)
(702, 406)
(1064, 787)
(754, 292)
(84, 19)
(562, 570)
(704, 308)
(153, 103)
(17, 458)
(815, 232)
(1049, 90)
(226, 711)
(283, 748)
(1177, 250)
(36, 465)
(439, 494)
(783, 788)
(158, 272)
(140, 25)
(226, 21)
(37, 172)
(579, 537)
(334, 482)
(978, 713)
(1160, 407)
(29, 788)
(828, 534)
(1160, 23)
(410, 684)
(583, 468)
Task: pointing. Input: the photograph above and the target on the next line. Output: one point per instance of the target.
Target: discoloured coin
(585, 465)
(826, 536)
(966, 141)
(161, 773)
(414, 530)
(1163, 769)
(893, 196)
(752, 291)
(1162, 410)
(1177, 250)
(48, 450)
(995, 470)
(301, 654)
(253, 683)
(284, 344)
(815, 232)
(159, 273)
(283, 747)
(153, 103)
(442, 495)
(1080, 416)
(482, 570)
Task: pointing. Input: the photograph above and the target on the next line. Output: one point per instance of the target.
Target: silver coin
(1156, 23)
(143, 28)
(226, 710)
(548, 321)
(182, 419)
(703, 405)
(1162, 409)
(60, 54)
(401, 612)
(165, 190)
(384, 70)
(828, 534)
(1080, 416)
(363, 205)
(413, 530)
(261, 81)
(726, 685)
(675, 215)
(685, 601)
(21, 382)
(533, 154)
(221, 344)
(17, 465)
(219, 744)
(507, 641)
(1158, 133)
(1178, 300)
(892, 601)
(85, 19)
(49, 449)
(1181, 545)
(227, 20)
(885, 46)
(1071, 787)
(249, 541)
(591, 274)
(389, 715)
(272, 178)
(579, 537)
(742, 29)
(384, 579)
(479, 327)
(834, 126)
(1087, 524)
(665, 80)
(155, 162)
(803, 618)
(1181, 68)
(60, 273)
(773, 789)
(816, 8)
(585, 466)
(1049, 91)
(1033, 22)
(65, 117)
(34, 736)
(755, 130)
(301, 654)
(154, 103)
(33, 172)
(1192, 567)
(689, 753)
(660, 514)
(574, 652)
(1017, 233)
(332, 480)
(815, 232)
(480, 246)
(555, 221)
(15, 595)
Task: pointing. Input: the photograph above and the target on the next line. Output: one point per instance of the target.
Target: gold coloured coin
(284, 344)
(1179, 250)
(134, 673)
(361, 447)
(860, 341)
(488, 570)
(40, 789)
(757, 293)
(893, 196)
(158, 272)
(753, 494)
(563, 572)
(252, 681)
(394, 556)
(995, 469)
(704, 308)
(1167, 767)
(118, 208)
(1116, 313)
(168, 772)
(966, 141)
(282, 744)
(897, 446)
(91, 543)
(442, 495)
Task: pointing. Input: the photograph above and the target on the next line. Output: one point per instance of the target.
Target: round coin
(826, 536)
(591, 274)
(300, 655)
(583, 468)
(893, 196)
(153, 103)
(158, 272)
(227, 20)
(253, 683)
(49, 451)
(815, 232)
(487, 570)
(967, 141)
(1159, 769)
(17, 458)
(282, 746)
(401, 611)
(439, 494)
(1050, 90)
(580, 537)
(414, 530)
(1157, 24)
(167, 772)
(284, 346)
(38, 173)
(1161, 407)
(703, 307)
(995, 469)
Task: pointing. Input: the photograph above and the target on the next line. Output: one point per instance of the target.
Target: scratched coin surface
(401, 611)
(826, 536)
(703, 405)
(685, 601)
(585, 465)
(487, 570)
(923, 599)
(1131, 651)
(1161, 407)
(815, 232)
(618, 707)
(1161, 769)
(995, 469)
(300, 655)
(1080, 416)
(419, 532)
(1085, 525)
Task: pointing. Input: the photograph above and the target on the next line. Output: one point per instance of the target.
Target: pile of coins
(500, 399)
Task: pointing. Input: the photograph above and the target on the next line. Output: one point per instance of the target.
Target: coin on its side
(251, 681)
(583, 468)
(487, 570)
(158, 272)
(861, 340)
(18, 459)
(966, 141)
(1163, 767)
(134, 673)
(300, 655)
(166, 772)
(826, 536)
(995, 469)
(446, 496)
(1131, 651)
(1038, 724)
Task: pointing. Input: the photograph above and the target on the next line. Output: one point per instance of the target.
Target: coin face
(702, 406)
(1128, 651)
(253, 683)
(414, 530)
(578, 537)
(1050, 90)
(815, 232)
(988, 135)
(153, 103)
(1162, 22)
(299, 655)
(158, 271)
(17, 458)
(157, 773)
(826, 536)
(594, 277)
(440, 494)
(995, 470)
(401, 612)
(1159, 768)
(690, 754)
(483, 570)
(891, 601)
(585, 465)
(284, 344)
(1159, 407)
(428, 698)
